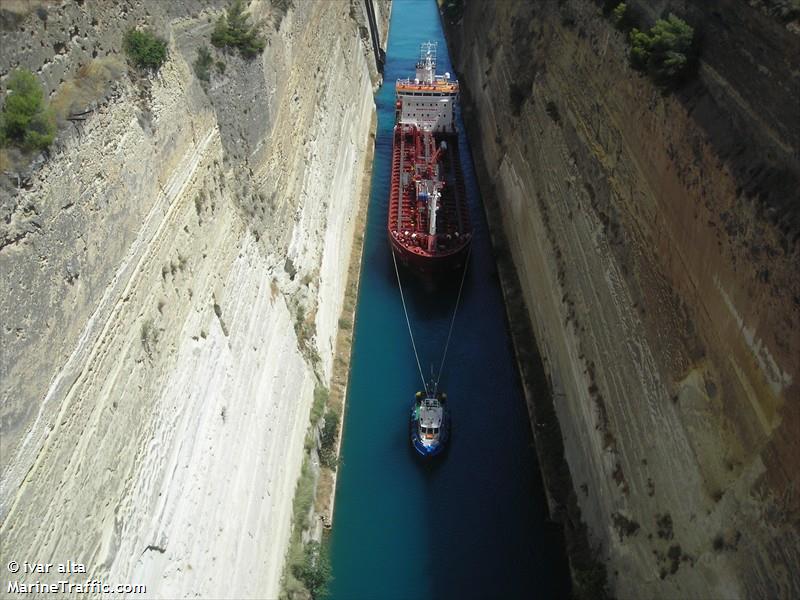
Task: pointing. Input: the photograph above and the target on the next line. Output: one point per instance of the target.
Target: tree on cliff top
(26, 121)
(666, 52)
(234, 31)
(203, 63)
(145, 49)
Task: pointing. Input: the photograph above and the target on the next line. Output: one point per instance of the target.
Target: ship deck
(408, 222)
(408, 85)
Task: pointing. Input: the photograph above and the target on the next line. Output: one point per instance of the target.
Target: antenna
(426, 65)
(427, 53)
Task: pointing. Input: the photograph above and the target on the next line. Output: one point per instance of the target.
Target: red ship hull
(408, 223)
(425, 263)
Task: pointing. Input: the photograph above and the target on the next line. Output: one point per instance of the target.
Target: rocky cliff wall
(655, 238)
(173, 275)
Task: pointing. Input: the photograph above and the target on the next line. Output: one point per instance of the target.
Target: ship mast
(426, 65)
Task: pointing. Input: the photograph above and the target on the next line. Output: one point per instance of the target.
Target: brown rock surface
(655, 238)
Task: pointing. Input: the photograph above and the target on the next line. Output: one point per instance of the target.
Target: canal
(472, 525)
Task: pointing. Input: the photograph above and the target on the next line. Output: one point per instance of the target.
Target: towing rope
(434, 381)
(452, 320)
(408, 322)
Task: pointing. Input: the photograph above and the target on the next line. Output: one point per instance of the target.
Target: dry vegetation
(92, 83)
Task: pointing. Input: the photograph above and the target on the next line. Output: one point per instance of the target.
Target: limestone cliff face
(655, 238)
(172, 279)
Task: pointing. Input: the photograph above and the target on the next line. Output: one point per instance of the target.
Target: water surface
(472, 525)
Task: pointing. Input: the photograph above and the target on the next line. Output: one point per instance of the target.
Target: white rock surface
(155, 395)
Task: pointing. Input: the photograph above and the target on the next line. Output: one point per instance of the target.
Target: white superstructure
(427, 100)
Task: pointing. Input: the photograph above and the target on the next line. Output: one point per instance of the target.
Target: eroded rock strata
(655, 240)
(172, 279)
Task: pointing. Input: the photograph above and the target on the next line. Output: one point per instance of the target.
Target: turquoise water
(473, 524)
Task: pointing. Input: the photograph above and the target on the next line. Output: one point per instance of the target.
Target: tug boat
(428, 223)
(430, 424)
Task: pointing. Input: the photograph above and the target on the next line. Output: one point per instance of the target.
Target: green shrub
(202, 63)
(621, 17)
(234, 31)
(320, 400)
(296, 564)
(327, 451)
(145, 50)
(330, 429)
(26, 121)
(667, 52)
(303, 497)
(315, 571)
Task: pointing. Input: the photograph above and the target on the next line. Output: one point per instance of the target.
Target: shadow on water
(472, 524)
(429, 299)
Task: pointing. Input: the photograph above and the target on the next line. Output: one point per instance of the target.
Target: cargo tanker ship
(428, 223)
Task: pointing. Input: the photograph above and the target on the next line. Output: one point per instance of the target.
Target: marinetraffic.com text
(78, 584)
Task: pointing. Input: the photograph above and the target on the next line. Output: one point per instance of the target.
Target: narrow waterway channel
(472, 525)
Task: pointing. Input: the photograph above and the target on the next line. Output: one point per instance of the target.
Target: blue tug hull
(436, 447)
